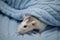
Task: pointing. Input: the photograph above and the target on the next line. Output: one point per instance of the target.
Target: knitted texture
(47, 11)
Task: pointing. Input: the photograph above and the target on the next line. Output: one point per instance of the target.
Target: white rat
(29, 23)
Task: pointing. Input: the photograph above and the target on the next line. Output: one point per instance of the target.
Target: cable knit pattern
(38, 8)
(48, 11)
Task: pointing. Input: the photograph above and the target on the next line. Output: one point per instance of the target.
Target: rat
(29, 23)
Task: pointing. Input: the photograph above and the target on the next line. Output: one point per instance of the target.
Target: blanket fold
(47, 12)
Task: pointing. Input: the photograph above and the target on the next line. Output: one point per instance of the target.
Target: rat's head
(28, 24)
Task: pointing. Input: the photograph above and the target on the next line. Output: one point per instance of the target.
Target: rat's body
(29, 23)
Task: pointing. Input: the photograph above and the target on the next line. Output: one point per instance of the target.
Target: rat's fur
(31, 23)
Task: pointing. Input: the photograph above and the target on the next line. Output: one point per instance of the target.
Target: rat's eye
(25, 26)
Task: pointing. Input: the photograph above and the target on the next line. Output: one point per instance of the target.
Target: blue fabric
(48, 11)
(38, 8)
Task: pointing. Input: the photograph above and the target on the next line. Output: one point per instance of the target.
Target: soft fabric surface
(48, 11)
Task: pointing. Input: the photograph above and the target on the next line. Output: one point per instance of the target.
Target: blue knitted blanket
(47, 11)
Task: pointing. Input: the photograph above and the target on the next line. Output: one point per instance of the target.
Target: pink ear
(34, 23)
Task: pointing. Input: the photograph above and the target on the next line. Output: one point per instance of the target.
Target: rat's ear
(34, 23)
